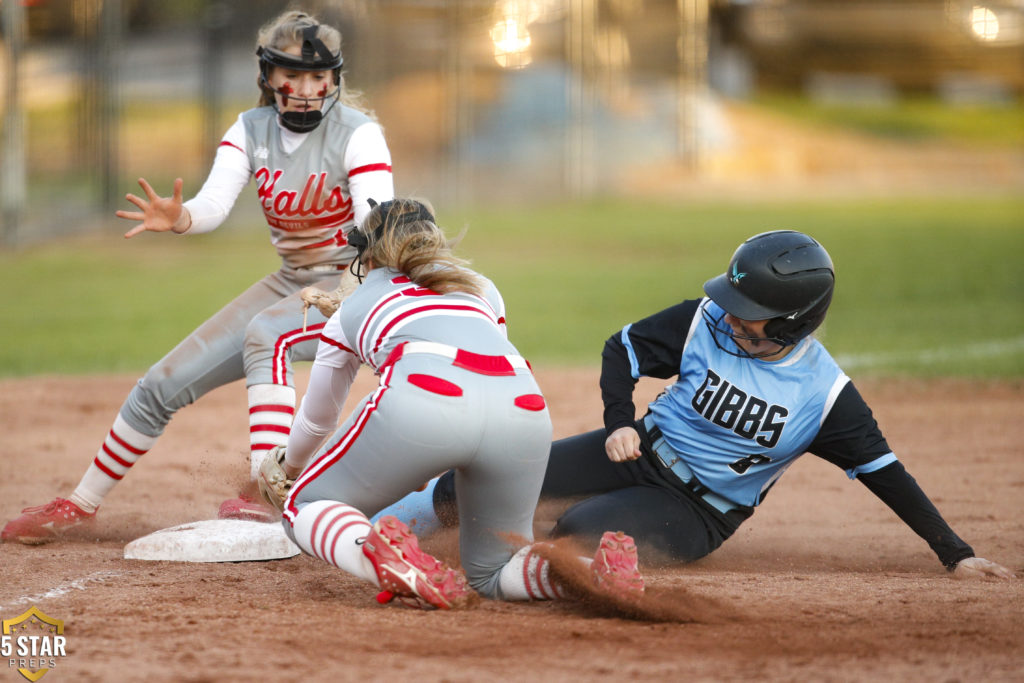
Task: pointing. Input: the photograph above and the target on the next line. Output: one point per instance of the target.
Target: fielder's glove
(274, 484)
(327, 302)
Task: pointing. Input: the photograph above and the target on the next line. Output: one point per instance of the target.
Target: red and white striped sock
(335, 532)
(527, 576)
(271, 411)
(120, 450)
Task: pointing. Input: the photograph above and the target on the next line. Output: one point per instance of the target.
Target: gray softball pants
(495, 435)
(257, 336)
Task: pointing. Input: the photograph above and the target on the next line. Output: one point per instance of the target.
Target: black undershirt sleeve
(657, 344)
(849, 438)
(897, 489)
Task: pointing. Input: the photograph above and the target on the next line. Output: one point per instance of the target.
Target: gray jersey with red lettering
(305, 194)
(306, 199)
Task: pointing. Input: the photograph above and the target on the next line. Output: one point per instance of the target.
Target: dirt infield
(823, 583)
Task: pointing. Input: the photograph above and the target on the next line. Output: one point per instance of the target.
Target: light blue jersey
(716, 440)
(740, 422)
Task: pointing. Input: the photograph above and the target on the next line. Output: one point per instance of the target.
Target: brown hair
(285, 31)
(417, 248)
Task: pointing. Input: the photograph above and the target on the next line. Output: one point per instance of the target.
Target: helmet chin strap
(301, 121)
(359, 240)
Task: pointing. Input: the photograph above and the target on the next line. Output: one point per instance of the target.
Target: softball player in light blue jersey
(753, 392)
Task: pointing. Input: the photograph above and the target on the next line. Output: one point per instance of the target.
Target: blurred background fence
(482, 100)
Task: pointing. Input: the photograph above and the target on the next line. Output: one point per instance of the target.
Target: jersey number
(743, 464)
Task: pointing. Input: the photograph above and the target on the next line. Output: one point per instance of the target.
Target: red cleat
(405, 571)
(45, 523)
(615, 567)
(247, 508)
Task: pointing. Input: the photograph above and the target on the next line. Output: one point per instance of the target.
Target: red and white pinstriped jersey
(389, 309)
(385, 311)
(312, 186)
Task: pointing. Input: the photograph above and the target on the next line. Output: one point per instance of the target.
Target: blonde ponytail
(417, 248)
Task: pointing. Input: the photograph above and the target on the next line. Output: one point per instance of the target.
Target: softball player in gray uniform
(453, 393)
(315, 161)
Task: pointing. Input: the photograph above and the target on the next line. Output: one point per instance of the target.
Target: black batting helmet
(783, 276)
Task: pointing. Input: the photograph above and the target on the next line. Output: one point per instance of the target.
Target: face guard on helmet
(359, 239)
(314, 57)
(784, 277)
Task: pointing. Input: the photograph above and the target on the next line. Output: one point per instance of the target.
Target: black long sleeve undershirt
(657, 342)
(896, 488)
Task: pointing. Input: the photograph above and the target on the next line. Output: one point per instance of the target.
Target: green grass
(912, 119)
(924, 277)
(924, 287)
(108, 304)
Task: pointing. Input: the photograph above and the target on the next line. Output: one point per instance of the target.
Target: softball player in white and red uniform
(315, 160)
(453, 393)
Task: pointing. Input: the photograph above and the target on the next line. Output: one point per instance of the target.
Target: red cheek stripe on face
(322, 92)
(530, 402)
(286, 90)
(435, 385)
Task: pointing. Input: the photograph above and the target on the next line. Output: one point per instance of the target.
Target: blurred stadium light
(481, 100)
(913, 44)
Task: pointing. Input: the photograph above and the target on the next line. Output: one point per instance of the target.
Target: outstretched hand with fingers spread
(158, 214)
